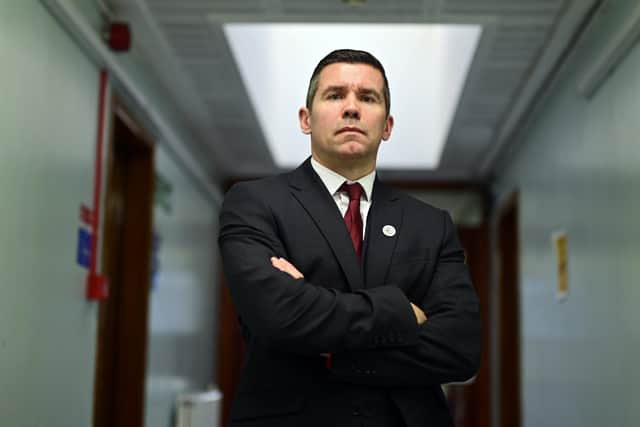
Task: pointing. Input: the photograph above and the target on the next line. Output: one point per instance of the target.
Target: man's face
(347, 120)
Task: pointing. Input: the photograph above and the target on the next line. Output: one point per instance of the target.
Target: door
(470, 404)
(508, 267)
(122, 322)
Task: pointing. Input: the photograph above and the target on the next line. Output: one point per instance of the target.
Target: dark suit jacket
(360, 313)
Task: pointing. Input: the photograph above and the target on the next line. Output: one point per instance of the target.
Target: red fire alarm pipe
(97, 288)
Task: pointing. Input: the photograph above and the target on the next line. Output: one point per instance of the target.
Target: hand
(286, 267)
(420, 316)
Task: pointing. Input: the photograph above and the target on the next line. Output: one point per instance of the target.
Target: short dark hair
(352, 57)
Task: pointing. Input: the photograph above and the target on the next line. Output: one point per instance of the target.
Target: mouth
(350, 129)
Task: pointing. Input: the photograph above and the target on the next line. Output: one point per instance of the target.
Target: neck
(352, 170)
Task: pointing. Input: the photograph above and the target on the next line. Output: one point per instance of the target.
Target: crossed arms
(286, 267)
(373, 336)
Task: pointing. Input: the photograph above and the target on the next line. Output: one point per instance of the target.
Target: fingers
(286, 267)
(420, 316)
(280, 263)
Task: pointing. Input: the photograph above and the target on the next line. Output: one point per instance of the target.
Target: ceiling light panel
(426, 66)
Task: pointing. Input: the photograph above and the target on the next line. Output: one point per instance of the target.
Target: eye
(368, 99)
(333, 96)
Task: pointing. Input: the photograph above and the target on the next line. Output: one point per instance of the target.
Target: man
(355, 300)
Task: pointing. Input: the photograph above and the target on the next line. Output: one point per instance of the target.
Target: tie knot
(354, 190)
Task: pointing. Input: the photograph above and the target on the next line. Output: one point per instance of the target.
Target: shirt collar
(333, 180)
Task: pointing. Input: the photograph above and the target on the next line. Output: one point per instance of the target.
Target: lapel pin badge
(389, 230)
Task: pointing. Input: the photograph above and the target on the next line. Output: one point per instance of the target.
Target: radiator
(199, 409)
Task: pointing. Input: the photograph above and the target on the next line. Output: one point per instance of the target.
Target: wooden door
(509, 314)
(122, 326)
(471, 403)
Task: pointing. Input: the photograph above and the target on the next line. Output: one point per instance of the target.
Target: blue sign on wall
(83, 256)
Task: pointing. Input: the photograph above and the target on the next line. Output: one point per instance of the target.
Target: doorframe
(121, 346)
(506, 313)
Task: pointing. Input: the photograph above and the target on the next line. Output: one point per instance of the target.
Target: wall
(183, 312)
(47, 136)
(49, 88)
(577, 166)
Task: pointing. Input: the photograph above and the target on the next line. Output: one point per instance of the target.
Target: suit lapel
(309, 190)
(386, 210)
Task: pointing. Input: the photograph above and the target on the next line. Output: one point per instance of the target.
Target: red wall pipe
(97, 288)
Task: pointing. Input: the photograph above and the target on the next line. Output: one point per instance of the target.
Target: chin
(354, 155)
(354, 148)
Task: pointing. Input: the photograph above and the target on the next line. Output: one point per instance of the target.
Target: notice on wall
(83, 250)
(83, 247)
(560, 242)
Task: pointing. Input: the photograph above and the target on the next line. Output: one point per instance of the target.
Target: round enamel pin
(389, 230)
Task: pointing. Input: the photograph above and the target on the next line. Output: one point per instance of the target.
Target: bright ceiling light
(426, 66)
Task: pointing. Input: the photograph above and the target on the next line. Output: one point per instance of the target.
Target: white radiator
(199, 409)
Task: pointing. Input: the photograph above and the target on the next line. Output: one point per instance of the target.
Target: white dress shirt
(333, 181)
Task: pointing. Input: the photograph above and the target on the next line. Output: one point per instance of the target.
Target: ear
(304, 116)
(388, 126)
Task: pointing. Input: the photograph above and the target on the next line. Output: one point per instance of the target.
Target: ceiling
(521, 45)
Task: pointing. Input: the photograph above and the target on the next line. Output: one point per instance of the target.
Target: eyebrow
(362, 91)
(373, 92)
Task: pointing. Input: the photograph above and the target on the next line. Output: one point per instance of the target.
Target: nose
(351, 109)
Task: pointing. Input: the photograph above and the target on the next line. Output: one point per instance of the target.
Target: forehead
(363, 76)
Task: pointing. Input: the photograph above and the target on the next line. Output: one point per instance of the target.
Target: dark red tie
(352, 217)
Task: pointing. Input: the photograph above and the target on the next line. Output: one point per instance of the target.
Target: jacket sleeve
(449, 342)
(297, 315)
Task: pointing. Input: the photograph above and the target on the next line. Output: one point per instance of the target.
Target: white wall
(48, 108)
(183, 308)
(578, 168)
(47, 134)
